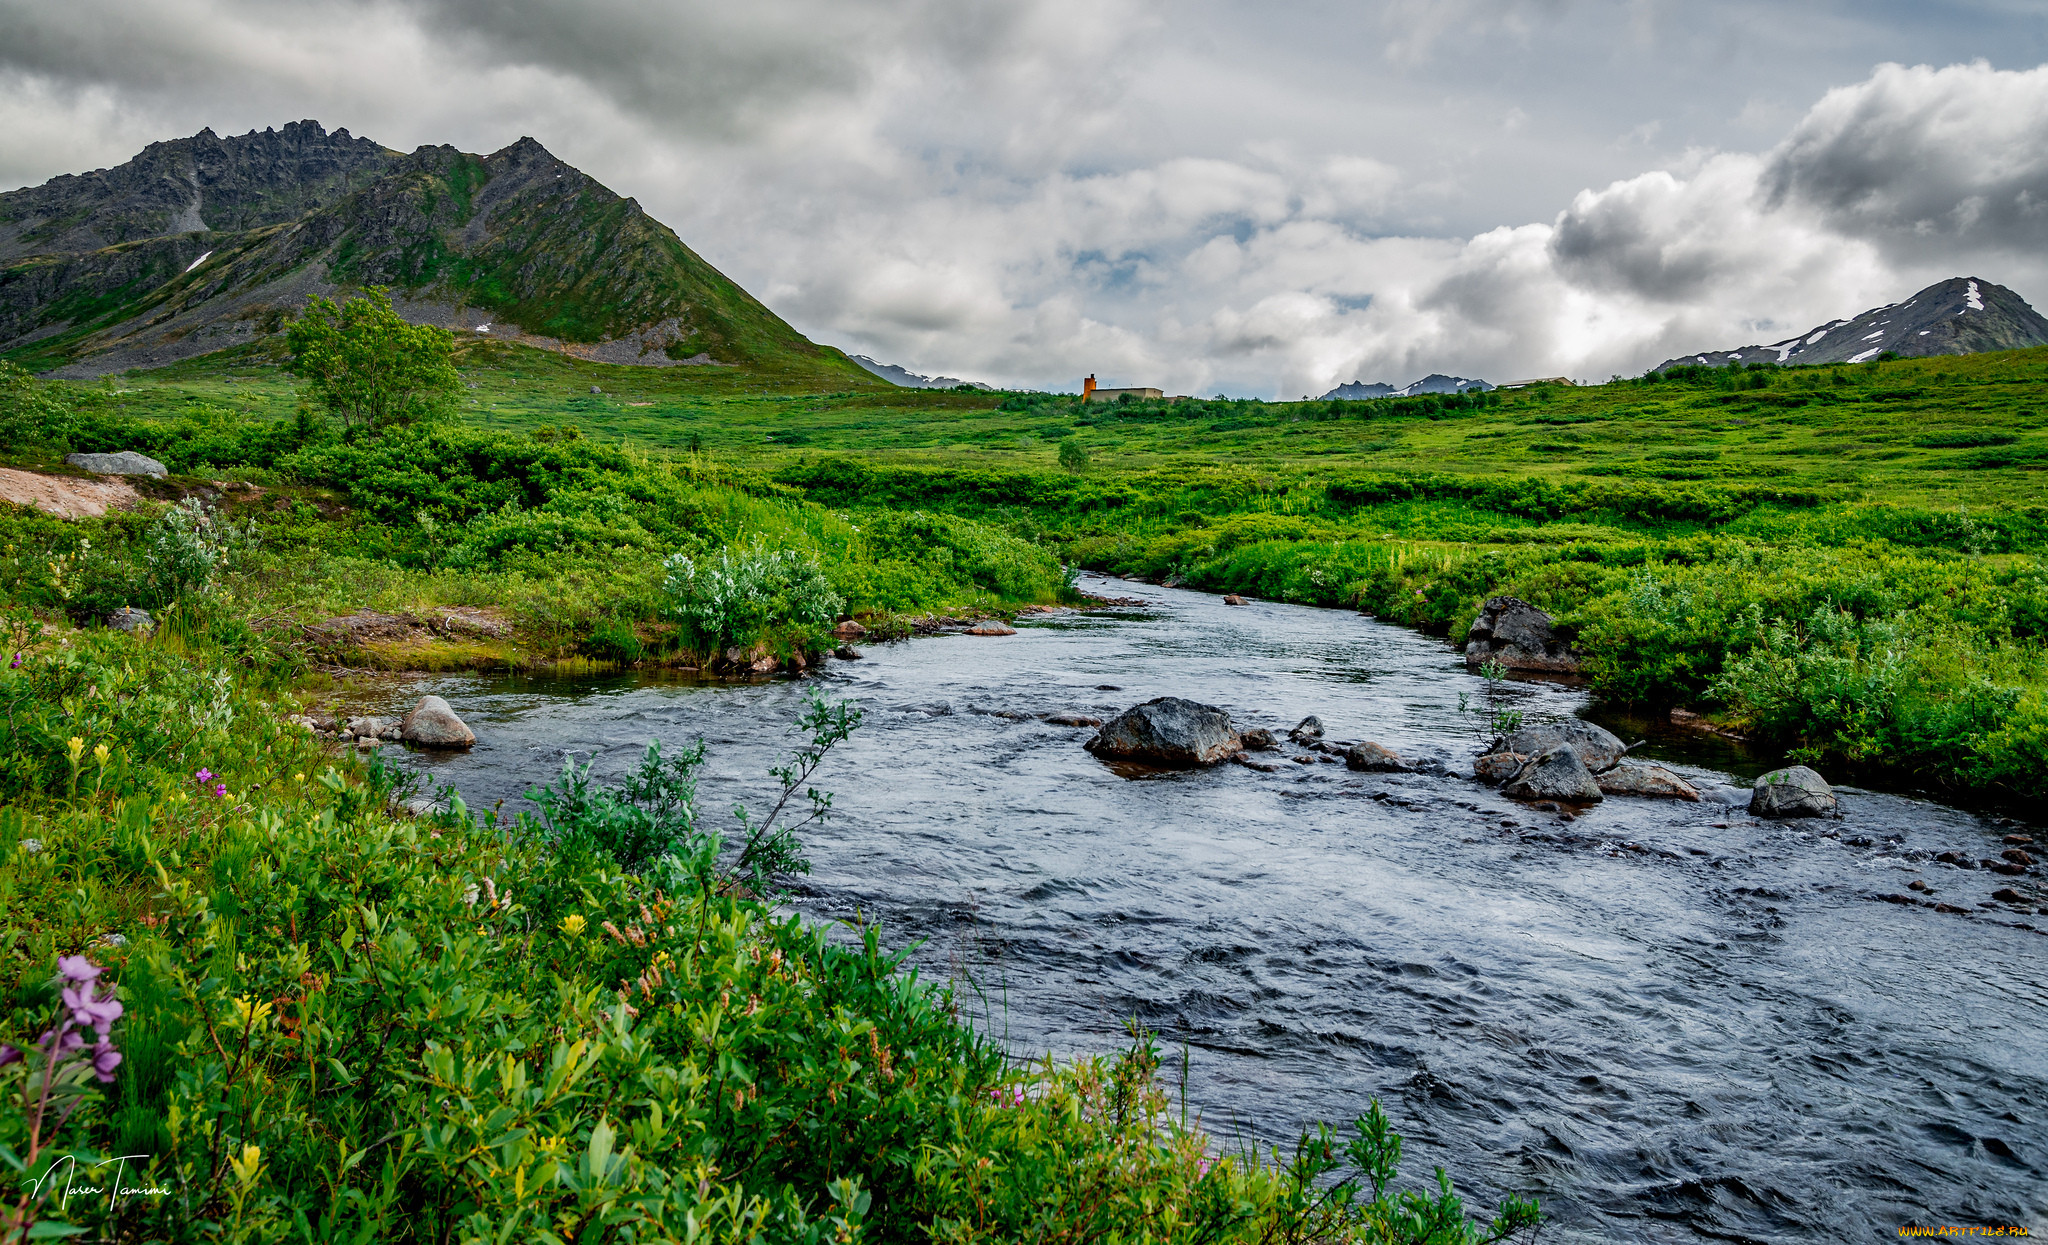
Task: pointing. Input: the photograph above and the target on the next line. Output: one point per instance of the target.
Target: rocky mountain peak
(1962, 315)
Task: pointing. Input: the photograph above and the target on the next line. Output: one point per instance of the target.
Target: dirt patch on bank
(67, 497)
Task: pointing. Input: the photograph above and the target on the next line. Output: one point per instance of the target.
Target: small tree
(368, 367)
(1072, 456)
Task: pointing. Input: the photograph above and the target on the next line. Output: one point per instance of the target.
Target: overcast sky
(1262, 199)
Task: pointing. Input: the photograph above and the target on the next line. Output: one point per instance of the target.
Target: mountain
(1962, 315)
(205, 243)
(1436, 382)
(908, 379)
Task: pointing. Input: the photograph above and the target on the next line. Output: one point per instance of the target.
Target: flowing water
(1669, 1021)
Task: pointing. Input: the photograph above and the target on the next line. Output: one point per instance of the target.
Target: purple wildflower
(220, 789)
(9, 1054)
(78, 969)
(104, 1060)
(204, 776)
(16, 664)
(93, 1012)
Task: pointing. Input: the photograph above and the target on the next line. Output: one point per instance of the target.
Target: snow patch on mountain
(1437, 382)
(908, 379)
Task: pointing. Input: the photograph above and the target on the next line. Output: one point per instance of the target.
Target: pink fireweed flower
(76, 968)
(94, 1013)
(104, 1060)
(204, 776)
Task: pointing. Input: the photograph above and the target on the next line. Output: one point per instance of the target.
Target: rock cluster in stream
(431, 723)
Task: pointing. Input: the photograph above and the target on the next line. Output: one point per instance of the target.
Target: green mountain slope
(514, 246)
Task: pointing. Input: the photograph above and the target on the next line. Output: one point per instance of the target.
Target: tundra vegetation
(251, 996)
(338, 1023)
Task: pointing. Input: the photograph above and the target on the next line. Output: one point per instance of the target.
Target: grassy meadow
(344, 1022)
(1840, 562)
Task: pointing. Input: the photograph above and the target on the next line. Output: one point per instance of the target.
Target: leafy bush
(743, 595)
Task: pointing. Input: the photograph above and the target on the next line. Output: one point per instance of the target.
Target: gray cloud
(1199, 194)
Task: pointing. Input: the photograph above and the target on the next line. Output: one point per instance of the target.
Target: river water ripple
(1669, 1021)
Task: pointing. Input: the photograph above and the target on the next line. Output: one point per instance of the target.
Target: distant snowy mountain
(911, 380)
(1357, 391)
(1962, 315)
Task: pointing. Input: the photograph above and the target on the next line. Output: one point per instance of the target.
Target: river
(1671, 1022)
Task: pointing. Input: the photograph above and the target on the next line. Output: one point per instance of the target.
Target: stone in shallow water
(1168, 731)
(1653, 781)
(1496, 768)
(1375, 758)
(1558, 774)
(1307, 731)
(1596, 746)
(432, 724)
(1792, 792)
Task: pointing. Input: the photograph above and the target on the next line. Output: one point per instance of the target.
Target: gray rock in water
(1168, 731)
(1496, 768)
(1307, 731)
(1259, 741)
(1555, 774)
(1375, 759)
(125, 463)
(1793, 792)
(432, 724)
(1516, 634)
(1597, 747)
(1072, 719)
(128, 618)
(366, 727)
(1651, 781)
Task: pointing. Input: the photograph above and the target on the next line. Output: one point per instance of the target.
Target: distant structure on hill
(896, 375)
(1091, 393)
(1437, 382)
(1962, 315)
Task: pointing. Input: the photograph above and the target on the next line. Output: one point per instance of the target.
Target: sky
(1209, 196)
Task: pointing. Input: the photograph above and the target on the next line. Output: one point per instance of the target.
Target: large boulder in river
(1652, 781)
(432, 724)
(1168, 731)
(125, 463)
(1596, 746)
(1794, 792)
(1554, 774)
(1516, 634)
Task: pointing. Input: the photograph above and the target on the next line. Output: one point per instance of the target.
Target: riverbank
(409, 1028)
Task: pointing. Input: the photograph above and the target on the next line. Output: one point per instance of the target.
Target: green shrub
(743, 595)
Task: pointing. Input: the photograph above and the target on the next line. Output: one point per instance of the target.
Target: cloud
(1200, 195)
(1920, 160)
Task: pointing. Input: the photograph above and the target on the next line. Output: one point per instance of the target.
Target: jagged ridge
(1962, 315)
(516, 243)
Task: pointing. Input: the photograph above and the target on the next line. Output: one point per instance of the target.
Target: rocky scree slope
(1962, 315)
(516, 245)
